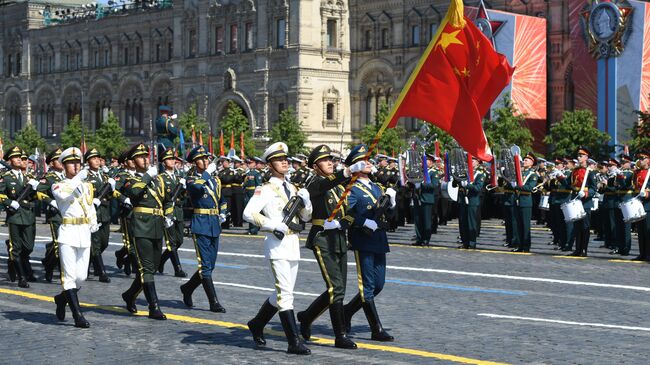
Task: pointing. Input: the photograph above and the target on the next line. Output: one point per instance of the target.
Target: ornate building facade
(333, 61)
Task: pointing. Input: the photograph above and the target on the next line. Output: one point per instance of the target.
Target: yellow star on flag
(447, 39)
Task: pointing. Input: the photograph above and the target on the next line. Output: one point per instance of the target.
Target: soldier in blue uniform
(209, 212)
(368, 239)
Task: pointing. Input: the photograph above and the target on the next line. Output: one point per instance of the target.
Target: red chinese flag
(455, 83)
(221, 147)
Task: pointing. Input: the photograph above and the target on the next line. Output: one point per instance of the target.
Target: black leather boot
(49, 261)
(256, 325)
(176, 261)
(309, 315)
(73, 302)
(101, 269)
(131, 295)
(350, 309)
(338, 325)
(163, 259)
(11, 270)
(27, 267)
(208, 286)
(60, 300)
(188, 288)
(291, 331)
(152, 299)
(119, 257)
(20, 274)
(378, 332)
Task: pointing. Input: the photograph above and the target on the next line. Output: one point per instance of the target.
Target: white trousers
(74, 265)
(284, 273)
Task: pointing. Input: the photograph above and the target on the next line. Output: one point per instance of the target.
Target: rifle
(23, 194)
(383, 204)
(290, 211)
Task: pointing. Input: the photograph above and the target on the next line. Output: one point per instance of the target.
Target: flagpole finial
(456, 14)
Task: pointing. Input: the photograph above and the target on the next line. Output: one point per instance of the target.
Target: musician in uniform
(99, 239)
(328, 242)
(174, 224)
(74, 196)
(204, 191)
(625, 192)
(424, 205)
(560, 193)
(509, 203)
(367, 236)
(146, 192)
(52, 214)
(20, 214)
(642, 192)
(251, 182)
(583, 176)
(265, 210)
(611, 200)
(236, 207)
(523, 212)
(469, 201)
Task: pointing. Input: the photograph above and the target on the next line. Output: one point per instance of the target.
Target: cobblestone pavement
(443, 305)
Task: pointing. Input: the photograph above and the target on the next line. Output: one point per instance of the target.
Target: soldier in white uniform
(74, 198)
(264, 210)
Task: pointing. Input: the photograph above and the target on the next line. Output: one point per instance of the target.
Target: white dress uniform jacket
(75, 201)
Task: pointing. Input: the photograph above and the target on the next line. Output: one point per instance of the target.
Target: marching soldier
(174, 224)
(560, 193)
(125, 256)
(237, 201)
(523, 212)
(583, 176)
(251, 182)
(227, 177)
(625, 191)
(209, 212)
(469, 201)
(79, 221)
(20, 214)
(370, 244)
(99, 239)
(509, 202)
(146, 192)
(265, 210)
(424, 205)
(610, 203)
(643, 193)
(327, 240)
(52, 214)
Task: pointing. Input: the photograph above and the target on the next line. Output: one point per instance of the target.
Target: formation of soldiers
(276, 194)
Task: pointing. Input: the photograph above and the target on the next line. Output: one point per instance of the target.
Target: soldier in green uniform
(105, 185)
(227, 177)
(125, 257)
(560, 192)
(584, 195)
(625, 192)
(469, 201)
(148, 195)
(52, 214)
(609, 191)
(328, 242)
(524, 209)
(237, 199)
(252, 180)
(20, 214)
(424, 203)
(174, 225)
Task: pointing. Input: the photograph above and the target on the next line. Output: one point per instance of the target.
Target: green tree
(640, 132)
(289, 130)
(109, 138)
(190, 119)
(507, 125)
(393, 140)
(71, 134)
(29, 139)
(577, 129)
(235, 122)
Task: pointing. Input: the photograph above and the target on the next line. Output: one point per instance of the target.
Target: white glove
(34, 183)
(182, 182)
(54, 205)
(111, 182)
(14, 204)
(95, 227)
(152, 171)
(330, 225)
(168, 222)
(105, 169)
(82, 175)
(370, 224)
(358, 166)
(281, 227)
(392, 194)
(373, 170)
(127, 201)
(97, 202)
(212, 167)
(304, 195)
(513, 184)
(222, 218)
(581, 194)
(464, 183)
(417, 185)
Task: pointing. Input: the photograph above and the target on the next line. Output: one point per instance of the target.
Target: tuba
(458, 164)
(506, 165)
(413, 165)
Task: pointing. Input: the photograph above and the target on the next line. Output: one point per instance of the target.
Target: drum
(573, 210)
(544, 202)
(632, 210)
(449, 191)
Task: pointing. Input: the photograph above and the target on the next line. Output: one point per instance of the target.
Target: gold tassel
(455, 14)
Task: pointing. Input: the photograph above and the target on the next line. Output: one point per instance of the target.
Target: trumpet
(537, 187)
